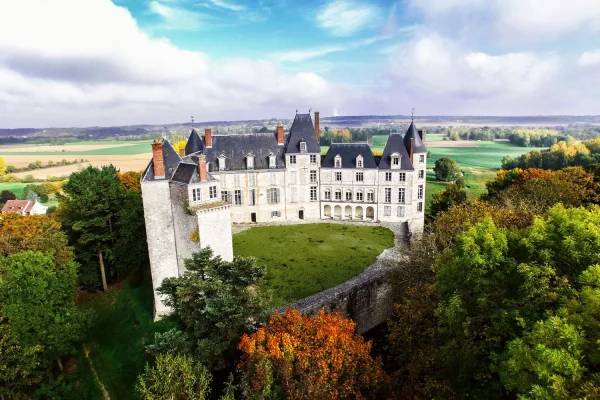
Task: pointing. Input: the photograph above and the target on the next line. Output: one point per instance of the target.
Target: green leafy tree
(7, 195)
(446, 169)
(89, 210)
(444, 199)
(215, 302)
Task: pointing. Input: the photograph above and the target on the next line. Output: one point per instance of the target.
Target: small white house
(24, 207)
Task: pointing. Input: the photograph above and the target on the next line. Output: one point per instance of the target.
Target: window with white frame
(294, 194)
(359, 162)
(327, 194)
(252, 197)
(212, 192)
(400, 212)
(225, 196)
(272, 161)
(222, 163)
(293, 177)
(387, 211)
(275, 214)
(422, 158)
(402, 176)
(196, 194)
(250, 161)
(348, 195)
(236, 180)
(359, 195)
(420, 192)
(313, 193)
(273, 196)
(273, 178)
(302, 147)
(338, 176)
(420, 206)
(388, 195)
(401, 195)
(313, 176)
(338, 161)
(292, 159)
(388, 176)
(237, 197)
(251, 179)
(370, 196)
(421, 173)
(313, 158)
(395, 161)
(360, 177)
(338, 194)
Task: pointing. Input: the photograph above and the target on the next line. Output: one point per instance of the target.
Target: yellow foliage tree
(180, 147)
(570, 149)
(593, 145)
(2, 166)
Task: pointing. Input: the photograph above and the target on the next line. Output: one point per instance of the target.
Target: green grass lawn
(129, 149)
(305, 259)
(122, 327)
(16, 187)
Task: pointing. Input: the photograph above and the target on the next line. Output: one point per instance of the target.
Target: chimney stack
(317, 127)
(202, 172)
(412, 149)
(208, 137)
(157, 157)
(423, 135)
(280, 135)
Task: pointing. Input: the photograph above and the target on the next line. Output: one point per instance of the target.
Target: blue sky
(113, 62)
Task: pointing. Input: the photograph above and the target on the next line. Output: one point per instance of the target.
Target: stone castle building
(190, 201)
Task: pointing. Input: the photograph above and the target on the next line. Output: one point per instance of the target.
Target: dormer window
(302, 147)
(395, 160)
(222, 162)
(272, 160)
(250, 161)
(359, 162)
(338, 161)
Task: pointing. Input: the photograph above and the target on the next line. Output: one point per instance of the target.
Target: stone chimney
(208, 137)
(423, 135)
(280, 135)
(412, 149)
(317, 127)
(202, 172)
(157, 157)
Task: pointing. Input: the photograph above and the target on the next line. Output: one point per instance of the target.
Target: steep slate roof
(171, 160)
(349, 152)
(412, 133)
(236, 147)
(395, 144)
(20, 206)
(194, 143)
(302, 130)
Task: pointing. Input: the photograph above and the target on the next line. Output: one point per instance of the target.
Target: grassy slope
(15, 187)
(122, 327)
(305, 259)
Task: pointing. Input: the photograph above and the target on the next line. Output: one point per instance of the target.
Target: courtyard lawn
(305, 259)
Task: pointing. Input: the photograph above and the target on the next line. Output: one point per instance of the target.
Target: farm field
(305, 259)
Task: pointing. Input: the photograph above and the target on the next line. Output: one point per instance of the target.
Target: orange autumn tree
(131, 180)
(300, 357)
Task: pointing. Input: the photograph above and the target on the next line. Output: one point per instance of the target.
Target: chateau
(190, 201)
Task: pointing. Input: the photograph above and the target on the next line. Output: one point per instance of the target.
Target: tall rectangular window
(327, 194)
(395, 161)
(338, 195)
(348, 196)
(402, 176)
(212, 192)
(237, 197)
(313, 176)
(294, 194)
(225, 196)
(388, 195)
(273, 178)
(401, 195)
(272, 160)
(196, 195)
(302, 147)
(251, 179)
(252, 197)
(250, 162)
(420, 206)
(313, 158)
(360, 177)
(421, 174)
(223, 179)
(422, 158)
(400, 211)
(420, 192)
(387, 211)
(292, 159)
(273, 196)
(359, 196)
(338, 176)
(370, 197)
(236, 180)
(388, 176)
(313, 193)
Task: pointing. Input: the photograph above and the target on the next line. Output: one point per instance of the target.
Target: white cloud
(346, 17)
(589, 59)
(227, 5)
(101, 69)
(176, 18)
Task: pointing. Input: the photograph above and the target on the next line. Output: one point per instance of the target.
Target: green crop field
(130, 149)
(302, 260)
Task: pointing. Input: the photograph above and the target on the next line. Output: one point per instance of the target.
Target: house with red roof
(24, 207)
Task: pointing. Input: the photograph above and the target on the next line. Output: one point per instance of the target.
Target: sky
(104, 63)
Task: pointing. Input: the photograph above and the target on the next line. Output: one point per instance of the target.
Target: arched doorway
(358, 212)
(348, 212)
(337, 211)
(301, 213)
(327, 211)
(370, 213)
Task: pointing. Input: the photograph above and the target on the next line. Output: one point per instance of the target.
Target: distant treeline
(563, 154)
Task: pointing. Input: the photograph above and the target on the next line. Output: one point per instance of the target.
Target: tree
(215, 302)
(180, 147)
(300, 357)
(446, 198)
(2, 166)
(446, 169)
(131, 180)
(7, 195)
(37, 299)
(89, 211)
(174, 377)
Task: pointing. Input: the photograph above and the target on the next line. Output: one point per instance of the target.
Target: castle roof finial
(412, 118)
(192, 117)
